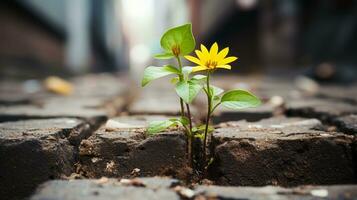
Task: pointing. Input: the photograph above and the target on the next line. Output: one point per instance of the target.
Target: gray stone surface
(33, 151)
(334, 192)
(155, 101)
(266, 110)
(10, 113)
(340, 93)
(323, 109)
(104, 85)
(163, 188)
(152, 189)
(93, 96)
(281, 151)
(347, 124)
(117, 152)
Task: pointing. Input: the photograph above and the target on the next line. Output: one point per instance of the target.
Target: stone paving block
(105, 189)
(13, 113)
(19, 93)
(323, 109)
(265, 110)
(264, 87)
(339, 93)
(163, 188)
(281, 151)
(335, 192)
(104, 85)
(101, 94)
(126, 150)
(99, 105)
(156, 101)
(346, 124)
(112, 91)
(33, 151)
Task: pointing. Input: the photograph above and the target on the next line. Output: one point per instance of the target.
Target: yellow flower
(211, 60)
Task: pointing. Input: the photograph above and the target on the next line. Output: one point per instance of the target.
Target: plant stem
(208, 116)
(180, 78)
(189, 115)
(189, 132)
(190, 135)
(182, 108)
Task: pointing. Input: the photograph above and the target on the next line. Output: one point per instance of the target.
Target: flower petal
(224, 66)
(199, 54)
(214, 50)
(199, 68)
(204, 49)
(222, 54)
(193, 59)
(227, 60)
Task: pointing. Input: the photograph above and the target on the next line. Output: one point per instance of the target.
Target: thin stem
(182, 108)
(189, 132)
(215, 107)
(208, 116)
(180, 78)
(189, 115)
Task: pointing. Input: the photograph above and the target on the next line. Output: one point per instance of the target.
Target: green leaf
(239, 99)
(202, 128)
(188, 90)
(152, 73)
(164, 56)
(158, 126)
(215, 91)
(199, 136)
(175, 80)
(186, 71)
(180, 36)
(183, 121)
(199, 77)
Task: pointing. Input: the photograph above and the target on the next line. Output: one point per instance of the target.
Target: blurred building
(51, 36)
(60, 36)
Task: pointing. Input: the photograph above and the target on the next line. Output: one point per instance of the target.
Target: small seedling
(178, 43)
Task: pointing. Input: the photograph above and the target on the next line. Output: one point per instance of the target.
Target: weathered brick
(116, 152)
(323, 109)
(13, 113)
(156, 101)
(103, 189)
(334, 192)
(33, 151)
(347, 124)
(281, 151)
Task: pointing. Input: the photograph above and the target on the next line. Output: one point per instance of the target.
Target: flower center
(176, 50)
(211, 64)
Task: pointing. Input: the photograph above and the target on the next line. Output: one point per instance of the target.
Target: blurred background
(317, 38)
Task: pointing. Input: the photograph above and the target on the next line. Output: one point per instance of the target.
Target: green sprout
(177, 43)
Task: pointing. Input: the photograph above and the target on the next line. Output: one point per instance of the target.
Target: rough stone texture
(347, 124)
(334, 192)
(281, 151)
(163, 188)
(156, 102)
(12, 113)
(251, 114)
(323, 109)
(340, 93)
(116, 152)
(34, 151)
(94, 96)
(110, 91)
(151, 189)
